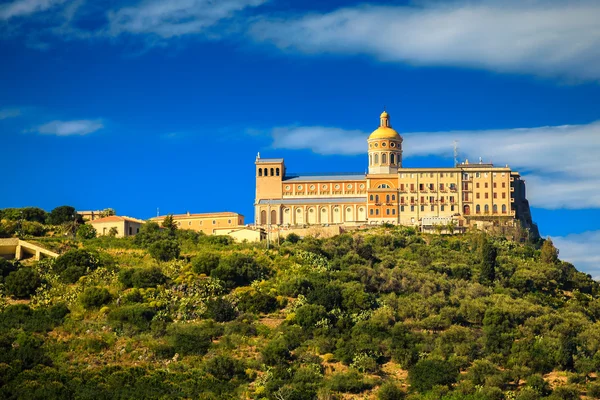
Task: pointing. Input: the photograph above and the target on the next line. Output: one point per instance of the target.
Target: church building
(389, 193)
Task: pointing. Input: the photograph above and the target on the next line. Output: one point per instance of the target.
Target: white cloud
(560, 163)
(20, 8)
(175, 17)
(70, 128)
(581, 250)
(9, 113)
(547, 38)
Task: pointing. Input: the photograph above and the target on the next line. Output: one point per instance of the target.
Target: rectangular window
(422, 199)
(190, 223)
(442, 207)
(431, 199)
(387, 211)
(377, 212)
(495, 185)
(451, 199)
(476, 195)
(401, 208)
(431, 186)
(412, 199)
(495, 195)
(441, 186)
(412, 208)
(503, 184)
(503, 195)
(432, 208)
(130, 231)
(451, 208)
(477, 185)
(214, 222)
(431, 175)
(371, 197)
(422, 208)
(486, 185)
(486, 195)
(393, 197)
(421, 186)
(393, 211)
(371, 211)
(412, 187)
(402, 175)
(402, 186)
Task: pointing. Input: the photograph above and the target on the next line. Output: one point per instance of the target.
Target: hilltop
(381, 313)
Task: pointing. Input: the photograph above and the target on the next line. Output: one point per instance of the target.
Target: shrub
(22, 283)
(204, 263)
(567, 392)
(276, 353)
(390, 391)
(308, 315)
(220, 310)
(142, 277)
(6, 267)
(21, 316)
(426, 374)
(86, 231)
(164, 250)
(75, 263)
(593, 391)
(237, 270)
(137, 316)
(94, 297)
(224, 368)
(537, 383)
(348, 382)
(192, 339)
(33, 228)
(257, 302)
(292, 238)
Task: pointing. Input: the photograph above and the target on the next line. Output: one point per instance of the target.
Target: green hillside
(384, 313)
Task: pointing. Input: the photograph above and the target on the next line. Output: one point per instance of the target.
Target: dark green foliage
(164, 250)
(257, 302)
(308, 315)
(292, 238)
(169, 224)
(192, 339)
(276, 353)
(426, 374)
(85, 232)
(6, 267)
(566, 392)
(63, 214)
(224, 368)
(204, 263)
(30, 214)
(75, 263)
(22, 283)
(220, 310)
(402, 346)
(538, 384)
(348, 382)
(390, 391)
(149, 233)
(488, 263)
(142, 277)
(549, 253)
(132, 316)
(237, 270)
(94, 297)
(21, 316)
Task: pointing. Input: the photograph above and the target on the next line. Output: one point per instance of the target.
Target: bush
(426, 374)
(164, 250)
(220, 310)
(567, 392)
(86, 231)
(390, 391)
(308, 315)
(22, 283)
(94, 297)
(538, 384)
(348, 382)
(21, 316)
(292, 238)
(276, 353)
(593, 391)
(142, 277)
(75, 263)
(257, 302)
(192, 339)
(237, 270)
(224, 368)
(204, 263)
(6, 267)
(137, 316)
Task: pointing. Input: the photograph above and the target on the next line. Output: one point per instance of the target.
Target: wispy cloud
(21, 8)
(173, 18)
(70, 128)
(582, 250)
(547, 38)
(9, 113)
(560, 163)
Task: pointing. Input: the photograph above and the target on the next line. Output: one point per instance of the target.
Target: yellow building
(207, 223)
(125, 226)
(389, 193)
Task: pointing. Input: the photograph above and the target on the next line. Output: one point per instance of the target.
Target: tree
(426, 374)
(86, 231)
(113, 231)
(390, 391)
(94, 297)
(549, 252)
(22, 283)
(204, 263)
(169, 224)
(63, 214)
(107, 212)
(488, 263)
(164, 250)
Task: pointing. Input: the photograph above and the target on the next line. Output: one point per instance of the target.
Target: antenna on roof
(455, 153)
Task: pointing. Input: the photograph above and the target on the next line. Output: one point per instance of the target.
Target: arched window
(260, 172)
(486, 209)
(376, 158)
(477, 209)
(272, 172)
(384, 158)
(277, 172)
(273, 217)
(467, 210)
(370, 159)
(495, 208)
(371, 197)
(383, 186)
(393, 197)
(376, 198)
(393, 159)
(387, 198)
(503, 208)
(263, 217)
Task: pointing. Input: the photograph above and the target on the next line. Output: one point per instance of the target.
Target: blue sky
(144, 104)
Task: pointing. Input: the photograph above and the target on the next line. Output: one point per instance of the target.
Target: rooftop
(269, 160)
(200, 215)
(324, 176)
(116, 218)
(332, 200)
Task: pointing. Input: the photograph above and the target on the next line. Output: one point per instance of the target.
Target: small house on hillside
(119, 226)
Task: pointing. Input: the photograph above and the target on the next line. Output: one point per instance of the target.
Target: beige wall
(206, 223)
(124, 228)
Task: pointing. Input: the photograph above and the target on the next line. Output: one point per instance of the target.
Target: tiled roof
(115, 218)
(334, 200)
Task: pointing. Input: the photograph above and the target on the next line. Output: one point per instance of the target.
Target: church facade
(389, 193)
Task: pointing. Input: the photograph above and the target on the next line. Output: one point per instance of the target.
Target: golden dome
(383, 132)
